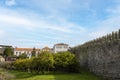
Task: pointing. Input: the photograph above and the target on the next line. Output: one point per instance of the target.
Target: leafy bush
(45, 62)
(66, 62)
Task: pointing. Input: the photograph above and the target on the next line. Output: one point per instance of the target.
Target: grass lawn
(84, 75)
(59, 76)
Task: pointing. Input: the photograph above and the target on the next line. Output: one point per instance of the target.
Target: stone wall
(105, 60)
(101, 57)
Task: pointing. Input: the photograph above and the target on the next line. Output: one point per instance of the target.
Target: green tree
(47, 61)
(21, 64)
(119, 33)
(116, 35)
(66, 62)
(113, 36)
(33, 52)
(22, 56)
(8, 52)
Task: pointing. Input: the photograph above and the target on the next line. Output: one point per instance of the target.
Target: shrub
(45, 62)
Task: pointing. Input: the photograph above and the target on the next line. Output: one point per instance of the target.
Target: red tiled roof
(26, 49)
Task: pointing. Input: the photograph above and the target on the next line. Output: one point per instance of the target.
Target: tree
(22, 64)
(119, 33)
(47, 61)
(8, 52)
(22, 56)
(113, 36)
(116, 35)
(66, 62)
(33, 52)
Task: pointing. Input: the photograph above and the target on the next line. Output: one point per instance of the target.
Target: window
(19, 53)
(16, 53)
(59, 47)
(65, 46)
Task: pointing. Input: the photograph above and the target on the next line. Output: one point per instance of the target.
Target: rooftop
(61, 44)
(5, 46)
(26, 49)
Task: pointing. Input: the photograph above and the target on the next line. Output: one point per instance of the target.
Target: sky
(40, 23)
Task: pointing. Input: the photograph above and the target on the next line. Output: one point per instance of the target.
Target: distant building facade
(2, 48)
(2, 59)
(46, 49)
(28, 51)
(60, 47)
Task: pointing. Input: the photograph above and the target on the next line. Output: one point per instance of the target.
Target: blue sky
(39, 23)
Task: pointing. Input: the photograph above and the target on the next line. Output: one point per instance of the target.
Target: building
(2, 48)
(2, 59)
(47, 49)
(61, 47)
(28, 51)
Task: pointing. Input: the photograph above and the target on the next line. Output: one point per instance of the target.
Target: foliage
(21, 64)
(22, 56)
(33, 52)
(6, 65)
(45, 62)
(8, 52)
(66, 62)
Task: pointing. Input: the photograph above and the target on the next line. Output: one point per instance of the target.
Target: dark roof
(61, 44)
(5, 46)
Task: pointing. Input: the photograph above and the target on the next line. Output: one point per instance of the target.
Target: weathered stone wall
(101, 56)
(105, 60)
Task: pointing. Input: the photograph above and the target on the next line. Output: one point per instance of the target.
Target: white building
(2, 59)
(28, 51)
(61, 47)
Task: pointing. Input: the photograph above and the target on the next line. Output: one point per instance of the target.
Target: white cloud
(106, 26)
(112, 23)
(10, 2)
(98, 34)
(33, 21)
(114, 10)
(24, 22)
(15, 20)
(2, 33)
(58, 7)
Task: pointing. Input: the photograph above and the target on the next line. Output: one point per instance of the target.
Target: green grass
(59, 76)
(84, 75)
